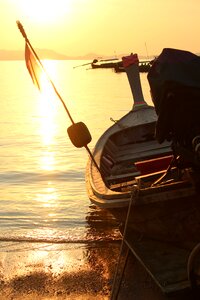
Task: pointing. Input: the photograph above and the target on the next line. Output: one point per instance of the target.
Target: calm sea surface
(42, 175)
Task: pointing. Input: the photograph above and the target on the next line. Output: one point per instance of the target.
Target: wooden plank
(136, 156)
(122, 176)
(165, 262)
(122, 185)
(140, 147)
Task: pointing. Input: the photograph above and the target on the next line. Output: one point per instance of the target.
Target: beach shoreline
(57, 271)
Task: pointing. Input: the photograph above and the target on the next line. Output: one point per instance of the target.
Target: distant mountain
(50, 54)
(19, 54)
(43, 54)
(11, 55)
(46, 54)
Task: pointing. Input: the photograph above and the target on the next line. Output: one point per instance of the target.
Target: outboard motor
(174, 80)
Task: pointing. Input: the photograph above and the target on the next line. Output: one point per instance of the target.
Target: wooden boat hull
(99, 193)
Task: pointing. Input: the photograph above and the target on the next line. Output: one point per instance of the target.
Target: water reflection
(47, 111)
(102, 225)
(47, 160)
(47, 131)
(49, 197)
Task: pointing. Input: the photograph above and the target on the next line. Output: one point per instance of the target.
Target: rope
(115, 292)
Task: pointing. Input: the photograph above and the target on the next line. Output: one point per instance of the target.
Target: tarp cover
(173, 66)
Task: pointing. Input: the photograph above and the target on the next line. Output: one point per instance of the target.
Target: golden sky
(78, 27)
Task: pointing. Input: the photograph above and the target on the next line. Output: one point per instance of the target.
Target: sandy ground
(37, 271)
(56, 271)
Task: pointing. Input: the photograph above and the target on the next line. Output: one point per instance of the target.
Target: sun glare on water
(47, 109)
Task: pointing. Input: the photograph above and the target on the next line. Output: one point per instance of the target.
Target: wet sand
(57, 271)
(38, 271)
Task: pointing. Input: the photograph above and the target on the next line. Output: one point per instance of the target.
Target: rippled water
(54, 243)
(42, 194)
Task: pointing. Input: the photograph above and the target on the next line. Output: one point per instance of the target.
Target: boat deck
(164, 248)
(166, 263)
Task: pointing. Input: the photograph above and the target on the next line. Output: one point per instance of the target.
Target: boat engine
(174, 80)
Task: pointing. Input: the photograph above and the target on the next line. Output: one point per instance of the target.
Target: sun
(45, 11)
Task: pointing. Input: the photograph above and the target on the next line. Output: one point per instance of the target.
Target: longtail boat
(150, 161)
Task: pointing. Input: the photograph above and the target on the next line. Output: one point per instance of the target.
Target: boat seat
(141, 154)
(111, 148)
(138, 147)
(133, 151)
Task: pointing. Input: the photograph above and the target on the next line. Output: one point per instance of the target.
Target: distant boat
(117, 65)
(102, 63)
(105, 63)
(144, 67)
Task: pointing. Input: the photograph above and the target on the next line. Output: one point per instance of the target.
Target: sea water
(43, 199)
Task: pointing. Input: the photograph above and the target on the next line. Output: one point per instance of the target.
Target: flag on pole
(33, 66)
(37, 71)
